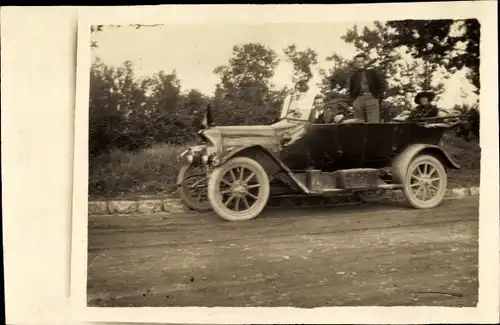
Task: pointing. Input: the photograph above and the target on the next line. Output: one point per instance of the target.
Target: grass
(153, 171)
(468, 156)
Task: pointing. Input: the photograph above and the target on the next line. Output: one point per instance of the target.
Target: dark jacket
(423, 112)
(376, 83)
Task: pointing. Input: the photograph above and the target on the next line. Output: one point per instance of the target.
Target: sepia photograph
(286, 164)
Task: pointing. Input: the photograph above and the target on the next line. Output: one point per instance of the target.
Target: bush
(148, 171)
(468, 156)
(128, 113)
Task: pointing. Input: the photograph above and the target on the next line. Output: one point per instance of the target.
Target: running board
(340, 190)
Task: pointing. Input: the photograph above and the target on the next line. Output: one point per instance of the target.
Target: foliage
(302, 62)
(145, 171)
(245, 94)
(404, 79)
(448, 43)
(334, 79)
(128, 113)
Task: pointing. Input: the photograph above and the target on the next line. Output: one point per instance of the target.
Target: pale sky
(195, 50)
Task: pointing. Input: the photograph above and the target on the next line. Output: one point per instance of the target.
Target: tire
(435, 172)
(368, 197)
(222, 176)
(191, 201)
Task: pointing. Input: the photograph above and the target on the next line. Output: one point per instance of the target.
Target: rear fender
(271, 164)
(402, 161)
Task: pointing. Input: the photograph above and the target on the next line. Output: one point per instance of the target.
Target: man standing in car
(366, 88)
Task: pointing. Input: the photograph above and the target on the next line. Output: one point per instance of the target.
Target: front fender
(233, 152)
(402, 161)
(269, 161)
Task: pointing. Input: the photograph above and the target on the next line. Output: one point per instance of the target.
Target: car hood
(244, 135)
(246, 130)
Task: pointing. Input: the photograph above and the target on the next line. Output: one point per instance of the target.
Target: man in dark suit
(366, 88)
(318, 109)
(425, 108)
(326, 113)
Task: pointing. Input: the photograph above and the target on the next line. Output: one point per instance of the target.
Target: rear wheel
(239, 189)
(193, 188)
(425, 182)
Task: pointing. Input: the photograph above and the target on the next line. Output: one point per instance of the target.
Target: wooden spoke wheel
(239, 189)
(425, 183)
(193, 188)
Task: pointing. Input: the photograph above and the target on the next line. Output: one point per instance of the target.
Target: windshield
(297, 107)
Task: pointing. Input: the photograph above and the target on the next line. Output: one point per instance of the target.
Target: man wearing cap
(366, 88)
(424, 107)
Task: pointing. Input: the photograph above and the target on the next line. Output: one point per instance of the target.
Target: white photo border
(489, 284)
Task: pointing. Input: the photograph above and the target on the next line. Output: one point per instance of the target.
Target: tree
(192, 108)
(302, 62)
(117, 102)
(372, 42)
(412, 78)
(404, 78)
(334, 79)
(245, 93)
(165, 92)
(386, 60)
(130, 113)
(453, 44)
(157, 120)
(104, 117)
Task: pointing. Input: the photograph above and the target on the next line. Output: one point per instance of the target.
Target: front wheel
(425, 182)
(193, 188)
(239, 189)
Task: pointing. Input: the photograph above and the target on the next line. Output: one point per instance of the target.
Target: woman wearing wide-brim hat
(424, 107)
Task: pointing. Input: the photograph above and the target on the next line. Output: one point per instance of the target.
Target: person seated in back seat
(342, 112)
(323, 113)
(318, 109)
(425, 108)
(335, 111)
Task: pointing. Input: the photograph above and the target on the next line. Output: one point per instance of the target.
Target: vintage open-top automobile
(237, 168)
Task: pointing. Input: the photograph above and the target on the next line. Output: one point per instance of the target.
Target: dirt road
(363, 255)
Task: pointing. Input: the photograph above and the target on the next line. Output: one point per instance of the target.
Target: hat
(430, 96)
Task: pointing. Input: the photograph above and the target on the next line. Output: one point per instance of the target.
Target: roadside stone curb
(172, 204)
(452, 193)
